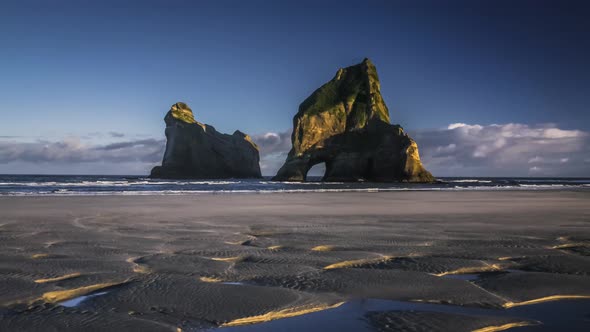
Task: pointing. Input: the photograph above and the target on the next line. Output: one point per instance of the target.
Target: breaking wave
(44, 185)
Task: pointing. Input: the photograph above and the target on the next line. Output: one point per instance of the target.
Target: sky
(486, 88)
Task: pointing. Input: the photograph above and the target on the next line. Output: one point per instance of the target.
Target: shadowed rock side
(345, 123)
(198, 151)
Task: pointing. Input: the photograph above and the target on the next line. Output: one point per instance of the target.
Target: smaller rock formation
(345, 123)
(197, 151)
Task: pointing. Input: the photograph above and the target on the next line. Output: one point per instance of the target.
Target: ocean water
(65, 185)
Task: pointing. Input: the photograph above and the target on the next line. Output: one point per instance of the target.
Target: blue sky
(91, 73)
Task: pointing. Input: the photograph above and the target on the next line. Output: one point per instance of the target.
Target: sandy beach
(447, 261)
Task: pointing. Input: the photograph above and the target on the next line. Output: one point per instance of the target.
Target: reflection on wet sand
(545, 299)
(358, 262)
(67, 294)
(60, 278)
(281, 314)
(503, 327)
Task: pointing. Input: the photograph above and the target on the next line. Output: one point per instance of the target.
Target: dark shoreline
(30, 185)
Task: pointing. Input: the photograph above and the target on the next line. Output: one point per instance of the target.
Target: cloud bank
(458, 150)
(74, 155)
(274, 148)
(479, 150)
(504, 150)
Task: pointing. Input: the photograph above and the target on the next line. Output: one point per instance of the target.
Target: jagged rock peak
(182, 112)
(345, 123)
(196, 150)
(350, 101)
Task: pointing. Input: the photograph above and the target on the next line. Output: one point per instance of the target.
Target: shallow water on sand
(475, 276)
(566, 315)
(78, 300)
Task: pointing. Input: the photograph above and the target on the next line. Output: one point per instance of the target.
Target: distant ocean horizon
(90, 185)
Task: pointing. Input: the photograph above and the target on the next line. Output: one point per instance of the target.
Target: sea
(94, 185)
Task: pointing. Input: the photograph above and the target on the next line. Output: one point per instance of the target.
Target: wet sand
(248, 261)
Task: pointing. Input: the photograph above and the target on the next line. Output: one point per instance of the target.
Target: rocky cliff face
(195, 150)
(345, 123)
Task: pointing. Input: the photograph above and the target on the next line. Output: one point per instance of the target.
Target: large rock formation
(345, 123)
(197, 151)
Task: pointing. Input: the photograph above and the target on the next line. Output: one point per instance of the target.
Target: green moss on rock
(345, 123)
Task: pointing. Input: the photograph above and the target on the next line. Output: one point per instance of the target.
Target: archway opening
(316, 172)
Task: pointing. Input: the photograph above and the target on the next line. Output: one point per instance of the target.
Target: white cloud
(504, 150)
(72, 150)
(458, 150)
(464, 126)
(447, 148)
(274, 148)
(461, 149)
(558, 133)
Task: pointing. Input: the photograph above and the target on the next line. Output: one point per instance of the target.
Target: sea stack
(197, 151)
(345, 123)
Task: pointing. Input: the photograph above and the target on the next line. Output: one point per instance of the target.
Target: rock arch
(345, 123)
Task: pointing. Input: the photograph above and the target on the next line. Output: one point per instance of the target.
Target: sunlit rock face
(197, 151)
(345, 123)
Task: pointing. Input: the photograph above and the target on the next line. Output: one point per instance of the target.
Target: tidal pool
(78, 300)
(564, 315)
